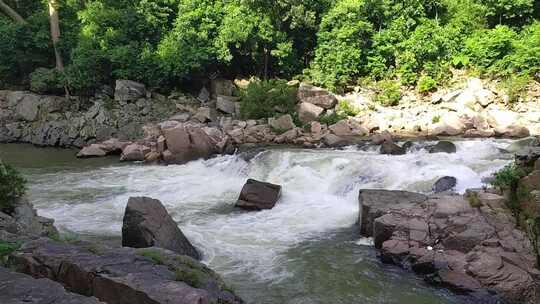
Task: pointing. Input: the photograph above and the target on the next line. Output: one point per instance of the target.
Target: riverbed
(305, 250)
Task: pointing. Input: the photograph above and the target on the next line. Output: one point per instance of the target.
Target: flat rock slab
(17, 288)
(123, 275)
(258, 195)
(147, 224)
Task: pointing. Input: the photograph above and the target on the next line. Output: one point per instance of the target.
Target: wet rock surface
(17, 288)
(445, 183)
(258, 195)
(147, 224)
(122, 275)
(471, 250)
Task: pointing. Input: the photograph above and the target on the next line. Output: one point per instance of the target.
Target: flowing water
(305, 250)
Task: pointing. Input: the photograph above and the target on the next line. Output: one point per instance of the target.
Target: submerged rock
(443, 147)
(465, 248)
(123, 275)
(444, 184)
(148, 224)
(258, 195)
(17, 288)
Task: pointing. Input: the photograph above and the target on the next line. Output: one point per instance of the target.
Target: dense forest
(334, 43)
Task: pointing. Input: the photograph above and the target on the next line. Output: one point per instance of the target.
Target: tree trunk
(11, 13)
(54, 21)
(265, 63)
(55, 32)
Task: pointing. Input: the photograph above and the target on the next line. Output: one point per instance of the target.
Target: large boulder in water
(443, 147)
(147, 224)
(443, 184)
(258, 195)
(186, 143)
(466, 247)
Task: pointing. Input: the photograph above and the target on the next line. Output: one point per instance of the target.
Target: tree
(55, 32)
(342, 43)
(8, 11)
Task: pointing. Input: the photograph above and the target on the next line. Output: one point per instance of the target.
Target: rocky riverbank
(131, 114)
(38, 260)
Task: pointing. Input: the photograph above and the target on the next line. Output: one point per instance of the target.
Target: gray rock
(134, 152)
(28, 107)
(220, 86)
(373, 204)
(24, 221)
(148, 224)
(123, 275)
(17, 288)
(308, 112)
(94, 150)
(443, 184)
(443, 147)
(258, 195)
(128, 90)
(226, 104)
(204, 95)
(282, 123)
(186, 143)
(390, 148)
(317, 96)
(332, 140)
(453, 244)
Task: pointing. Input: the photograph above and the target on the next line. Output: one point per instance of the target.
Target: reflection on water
(305, 250)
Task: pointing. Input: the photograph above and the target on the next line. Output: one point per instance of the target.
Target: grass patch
(474, 200)
(153, 255)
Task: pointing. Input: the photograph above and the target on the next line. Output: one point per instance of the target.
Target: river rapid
(305, 250)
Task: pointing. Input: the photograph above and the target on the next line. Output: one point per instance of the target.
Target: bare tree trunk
(54, 21)
(265, 63)
(11, 13)
(55, 32)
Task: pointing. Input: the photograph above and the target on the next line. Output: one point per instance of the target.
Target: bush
(345, 108)
(263, 99)
(516, 87)
(331, 118)
(388, 93)
(45, 81)
(12, 186)
(508, 177)
(426, 84)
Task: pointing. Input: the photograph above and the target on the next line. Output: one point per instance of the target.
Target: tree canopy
(334, 43)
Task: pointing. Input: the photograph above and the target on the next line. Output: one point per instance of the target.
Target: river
(305, 250)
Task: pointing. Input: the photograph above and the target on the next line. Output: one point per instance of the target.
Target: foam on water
(319, 194)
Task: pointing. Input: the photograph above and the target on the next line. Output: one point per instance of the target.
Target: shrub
(7, 248)
(474, 200)
(12, 186)
(331, 118)
(345, 108)
(262, 99)
(436, 119)
(426, 84)
(388, 93)
(44, 81)
(516, 87)
(508, 177)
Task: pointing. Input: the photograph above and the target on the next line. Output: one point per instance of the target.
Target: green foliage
(45, 80)
(170, 43)
(436, 119)
(331, 118)
(153, 255)
(508, 177)
(12, 186)
(263, 99)
(388, 93)
(515, 87)
(342, 43)
(346, 109)
(426, 84)
(6, 248)
(474, 200)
